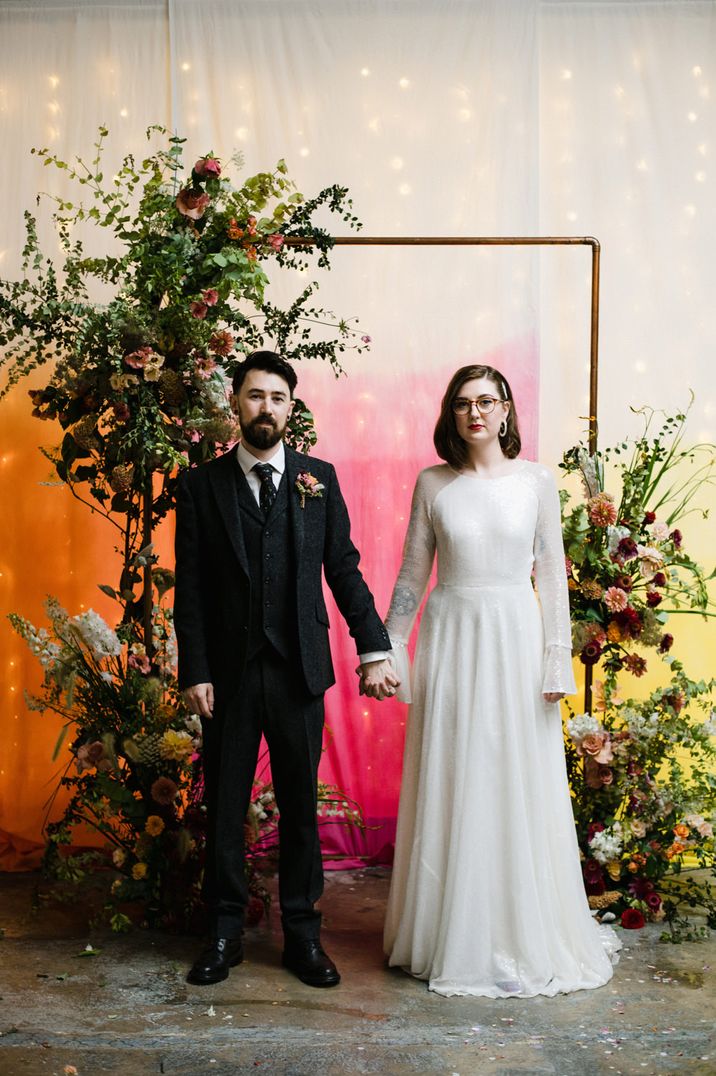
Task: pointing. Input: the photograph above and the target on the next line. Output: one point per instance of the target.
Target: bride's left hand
(553, 696)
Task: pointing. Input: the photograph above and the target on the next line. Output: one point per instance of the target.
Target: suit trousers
(273, 700)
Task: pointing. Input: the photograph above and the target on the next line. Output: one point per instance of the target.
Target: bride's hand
(553, 696)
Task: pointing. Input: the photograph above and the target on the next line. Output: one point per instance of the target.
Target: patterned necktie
(267, 493)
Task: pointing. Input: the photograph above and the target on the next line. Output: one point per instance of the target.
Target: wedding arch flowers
(138, 384)
(641, 769)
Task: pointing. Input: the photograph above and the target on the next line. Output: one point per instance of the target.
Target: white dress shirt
(247, 461)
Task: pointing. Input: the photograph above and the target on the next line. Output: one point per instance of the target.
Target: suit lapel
(223, 477)
(293, 467)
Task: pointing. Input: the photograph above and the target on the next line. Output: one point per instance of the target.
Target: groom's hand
(378, 679)
(200, 699)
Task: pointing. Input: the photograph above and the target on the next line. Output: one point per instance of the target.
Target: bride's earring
(503, 427)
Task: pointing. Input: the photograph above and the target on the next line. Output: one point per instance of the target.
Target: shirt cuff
(374, 655)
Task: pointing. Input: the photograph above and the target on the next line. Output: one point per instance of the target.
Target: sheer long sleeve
(551, 578)
(412, 581)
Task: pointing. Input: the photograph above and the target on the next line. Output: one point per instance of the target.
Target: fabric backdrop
(457, 117)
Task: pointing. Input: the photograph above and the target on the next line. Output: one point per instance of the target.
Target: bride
(487, 895)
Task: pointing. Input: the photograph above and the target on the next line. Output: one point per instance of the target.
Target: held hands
(200, 699)
(553, 696)
(378, 679)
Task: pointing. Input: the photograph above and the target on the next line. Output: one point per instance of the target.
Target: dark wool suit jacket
(212, 600)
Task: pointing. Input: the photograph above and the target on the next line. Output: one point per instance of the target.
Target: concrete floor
(128, 1010)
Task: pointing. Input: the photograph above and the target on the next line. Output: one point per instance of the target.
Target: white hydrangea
(709, 727)
(193, 725)
(583, 725)
(641, 727)
(607, 844)
(590, 472)
(96, 634)
(614, 537)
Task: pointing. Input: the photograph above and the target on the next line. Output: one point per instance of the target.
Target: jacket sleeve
(189, 606)
(551, 579)
(349, 588)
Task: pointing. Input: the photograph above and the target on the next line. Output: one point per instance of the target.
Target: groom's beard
(262, 432)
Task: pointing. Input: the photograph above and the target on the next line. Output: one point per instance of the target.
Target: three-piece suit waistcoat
(272, 572)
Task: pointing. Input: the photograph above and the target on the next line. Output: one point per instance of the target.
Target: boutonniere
(308, 486)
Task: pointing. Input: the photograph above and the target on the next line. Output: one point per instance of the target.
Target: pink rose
(91, 756)
(592, 777)
(198, 310)
(598, 746)
(207, 168)
(192, 203)
(138, 359)
(275, 241)
(638, 828)
(205, 366)
(210, 296)
(140, 662)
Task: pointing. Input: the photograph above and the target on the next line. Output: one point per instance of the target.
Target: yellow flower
(614, 632)
(176, 745)
(139, 871)
(614, 869)
(118, 857)
(154, 825)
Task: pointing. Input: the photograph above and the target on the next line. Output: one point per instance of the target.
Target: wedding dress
(487, 895)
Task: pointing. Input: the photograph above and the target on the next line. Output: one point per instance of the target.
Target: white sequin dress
(487, 895)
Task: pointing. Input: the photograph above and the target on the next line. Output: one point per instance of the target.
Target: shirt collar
(247, 460)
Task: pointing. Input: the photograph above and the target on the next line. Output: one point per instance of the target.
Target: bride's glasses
(484, 404)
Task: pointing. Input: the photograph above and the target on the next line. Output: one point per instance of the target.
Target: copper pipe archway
(511, 241)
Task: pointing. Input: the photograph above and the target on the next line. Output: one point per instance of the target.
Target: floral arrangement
(139, 386)
(308, 485)
(641, 770)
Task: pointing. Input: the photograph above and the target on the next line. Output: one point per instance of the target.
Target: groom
(255, 529)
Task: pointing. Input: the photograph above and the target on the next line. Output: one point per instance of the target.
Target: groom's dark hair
(270, 363)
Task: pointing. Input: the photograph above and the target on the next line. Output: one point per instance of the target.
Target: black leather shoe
(214, 963)
(307, 960)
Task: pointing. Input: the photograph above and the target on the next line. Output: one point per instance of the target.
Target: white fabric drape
(458, 117)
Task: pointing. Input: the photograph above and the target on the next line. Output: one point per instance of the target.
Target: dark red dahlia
(593, 878)
(627, 549)
(591, 654)
(632, 919)
(667, 641)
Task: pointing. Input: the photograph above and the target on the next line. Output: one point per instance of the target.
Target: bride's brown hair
(449, 445)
